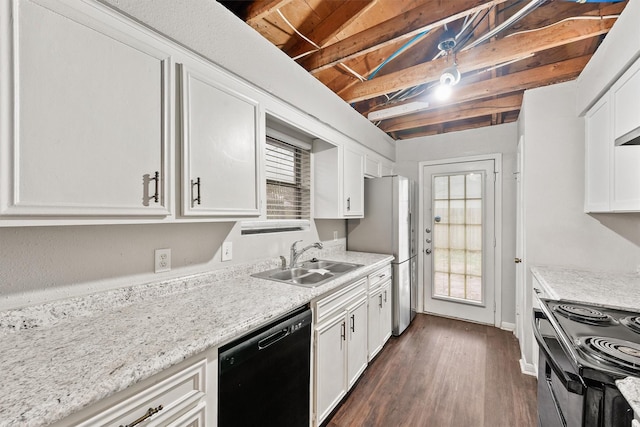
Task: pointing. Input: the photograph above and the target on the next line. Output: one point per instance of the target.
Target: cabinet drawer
(173, 402)
(337, 300)
(379, 277)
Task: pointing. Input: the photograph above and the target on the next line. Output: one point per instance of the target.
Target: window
(288, 176)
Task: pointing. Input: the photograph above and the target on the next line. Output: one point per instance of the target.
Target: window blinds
(288, 174)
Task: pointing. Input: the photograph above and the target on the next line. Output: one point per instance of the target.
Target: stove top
(600, 339)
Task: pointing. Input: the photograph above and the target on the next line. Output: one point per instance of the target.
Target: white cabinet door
(599, 146)
(87, 126)
(338, 182)
(221, 145)
(357, 347)
(385, 315)
(626, 178)
(626, 158)
(353, 181)
(375, 310)
(624, 95)
(331, 351)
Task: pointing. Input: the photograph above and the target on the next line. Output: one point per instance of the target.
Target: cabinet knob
(517, 260)
(427, 251)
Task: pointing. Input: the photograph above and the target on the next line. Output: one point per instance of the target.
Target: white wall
(40, 264)
(557, 231)
(494, 139)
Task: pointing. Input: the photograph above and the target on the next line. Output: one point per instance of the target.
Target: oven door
(561, 391)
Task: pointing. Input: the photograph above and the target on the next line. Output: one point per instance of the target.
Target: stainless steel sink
(309, 274)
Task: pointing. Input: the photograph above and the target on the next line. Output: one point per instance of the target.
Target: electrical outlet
(163, 260)
(227, 251)
(335, 235)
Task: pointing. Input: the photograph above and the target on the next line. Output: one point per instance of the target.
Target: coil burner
(586, 315)
(614, 351)
(632, 322)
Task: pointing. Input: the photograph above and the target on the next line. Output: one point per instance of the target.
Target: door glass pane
(457, 237)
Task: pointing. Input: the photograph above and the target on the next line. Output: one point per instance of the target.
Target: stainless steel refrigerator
(389, 227)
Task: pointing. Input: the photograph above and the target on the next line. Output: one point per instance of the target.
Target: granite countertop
(605, 289)
(630, 389)
(60, 357)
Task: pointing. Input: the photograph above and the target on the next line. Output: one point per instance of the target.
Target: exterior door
(459, 240)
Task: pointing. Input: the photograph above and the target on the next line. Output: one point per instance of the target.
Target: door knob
(517, 260)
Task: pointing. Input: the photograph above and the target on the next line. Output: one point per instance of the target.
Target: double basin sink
(309, 273)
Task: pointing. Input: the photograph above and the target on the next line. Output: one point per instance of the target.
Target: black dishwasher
(263, 377)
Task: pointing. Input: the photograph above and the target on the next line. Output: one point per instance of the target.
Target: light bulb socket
(450, 76)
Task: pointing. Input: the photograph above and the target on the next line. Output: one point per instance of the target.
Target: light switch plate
(227, 251)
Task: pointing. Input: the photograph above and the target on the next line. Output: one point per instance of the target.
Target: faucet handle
(293, 246)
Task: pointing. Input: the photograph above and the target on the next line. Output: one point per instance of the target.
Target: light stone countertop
(60, 357)
(605, 289)
(630, 389)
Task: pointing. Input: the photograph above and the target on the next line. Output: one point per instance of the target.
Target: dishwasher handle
(273, 338)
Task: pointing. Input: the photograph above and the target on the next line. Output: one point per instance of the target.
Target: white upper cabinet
(353, 173)
(221, 131)
(599, 148)
(625, 95)
(386, 170)
(371, 167)
(338, 181)
(84, 114)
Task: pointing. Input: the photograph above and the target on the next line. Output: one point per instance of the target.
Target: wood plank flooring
(443, 372)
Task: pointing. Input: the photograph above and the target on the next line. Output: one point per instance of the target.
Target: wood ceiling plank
(482, 56)
(458, 112)
(430, 15)
(260, 9)
(337, 21)
(536, 77)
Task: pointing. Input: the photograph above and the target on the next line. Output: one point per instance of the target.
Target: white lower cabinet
(379, 318)
(340, 345)
(183, 396)
(379, 310)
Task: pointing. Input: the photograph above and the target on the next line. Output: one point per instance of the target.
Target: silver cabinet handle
(147, 414)
(353, 323)
(196, 184)
(348, 203)
(343, 332)
(380, 303)
(156, 194)
(385, 296)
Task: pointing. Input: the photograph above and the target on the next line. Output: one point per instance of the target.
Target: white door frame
(497, 158)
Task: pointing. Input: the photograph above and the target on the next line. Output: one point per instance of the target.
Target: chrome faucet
(294, 254)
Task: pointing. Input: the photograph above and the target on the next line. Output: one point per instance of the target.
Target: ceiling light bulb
(443, 92)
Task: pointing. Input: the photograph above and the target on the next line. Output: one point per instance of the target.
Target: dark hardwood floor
(443, 372)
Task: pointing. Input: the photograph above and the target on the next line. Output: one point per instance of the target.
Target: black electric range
(584, 349)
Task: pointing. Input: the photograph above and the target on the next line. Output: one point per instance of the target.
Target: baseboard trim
(508, 326)
(528, 368)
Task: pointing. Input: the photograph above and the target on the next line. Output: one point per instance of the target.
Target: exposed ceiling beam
(528, 79)
(458, 112)
(337, 21)
(483, 56)
(426, 17)
(260, 9)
